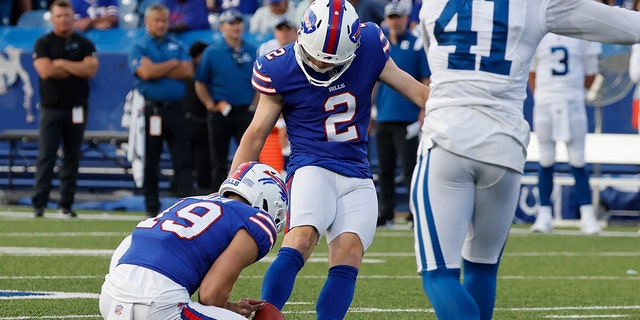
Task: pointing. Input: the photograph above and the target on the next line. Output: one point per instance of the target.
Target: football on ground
(269, 312)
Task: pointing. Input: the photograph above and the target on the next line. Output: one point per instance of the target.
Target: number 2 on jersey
(463, 38)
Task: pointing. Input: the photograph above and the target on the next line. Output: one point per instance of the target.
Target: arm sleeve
(39, 49)
(591, 56)
(594, 21)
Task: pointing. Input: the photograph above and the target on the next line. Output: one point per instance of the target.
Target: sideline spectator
(246, 7)
(370, 10)
(95, 14)
(199, 132)
(395, 114)
(160, 65)
(265, 18)
(199, 244)
(223, 84)
(185, 15)
(561, 69)
(64, 61)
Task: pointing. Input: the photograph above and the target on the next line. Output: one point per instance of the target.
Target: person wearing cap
(276, 147)
(265, 18)
(160, 65)
(395, 114)
(223, 84)
(199, 132)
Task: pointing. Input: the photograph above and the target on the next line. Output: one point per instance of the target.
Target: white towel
(133, 118)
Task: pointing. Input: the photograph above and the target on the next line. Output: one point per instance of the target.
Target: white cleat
(588, 223)
(590, 227)
(544, 220)
(542, 226)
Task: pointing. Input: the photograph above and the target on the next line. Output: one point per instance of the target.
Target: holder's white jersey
(560, 65)
(480, 52)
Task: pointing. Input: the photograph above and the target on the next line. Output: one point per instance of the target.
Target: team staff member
(223, 84)
(396, 113)
(160, 65)
(64, 61)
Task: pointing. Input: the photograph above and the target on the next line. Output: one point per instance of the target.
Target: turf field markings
(49, 277)
(88, 216)
(592, 316)
(13, 294)
(29, 251)
(64, 234)
(76, 316)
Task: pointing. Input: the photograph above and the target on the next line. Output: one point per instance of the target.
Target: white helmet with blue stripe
(329, 33)
(262, 186)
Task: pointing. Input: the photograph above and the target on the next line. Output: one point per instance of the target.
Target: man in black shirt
(199, 132)
(64, 61)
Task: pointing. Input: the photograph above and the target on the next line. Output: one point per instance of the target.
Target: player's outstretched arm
(404, 83)
(593, 20)
(217, 284)
(267, 113)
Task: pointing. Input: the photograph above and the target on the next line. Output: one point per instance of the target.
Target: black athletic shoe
(38, 213)
(66, 213)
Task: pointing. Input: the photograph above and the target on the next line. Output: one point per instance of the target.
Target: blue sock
(280, 276)
(545, 185)
(449, 298)
(583, 190)
(480, 281)
(337, 293)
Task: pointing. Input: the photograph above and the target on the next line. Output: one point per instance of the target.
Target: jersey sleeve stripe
(266, 218)
(261, 88)
(270, 232)
(386, 46)
(262, 83)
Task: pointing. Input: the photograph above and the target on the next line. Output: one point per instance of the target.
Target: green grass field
(564, 275)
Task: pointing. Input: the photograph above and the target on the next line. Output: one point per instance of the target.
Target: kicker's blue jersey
(327, 126)
(185, 240)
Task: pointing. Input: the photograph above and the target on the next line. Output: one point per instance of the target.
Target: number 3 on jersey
(463, 38)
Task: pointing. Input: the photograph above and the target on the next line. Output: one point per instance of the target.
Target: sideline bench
(94, 140)
(600, 149)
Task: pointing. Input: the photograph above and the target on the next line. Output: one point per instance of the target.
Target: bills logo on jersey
(308, 24)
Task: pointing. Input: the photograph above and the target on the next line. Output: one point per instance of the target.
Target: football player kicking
(322, 85)
(201, 242)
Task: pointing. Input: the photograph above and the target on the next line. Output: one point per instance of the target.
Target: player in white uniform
(199, 243)
(561, 69)
(322, 85)
(466, 183)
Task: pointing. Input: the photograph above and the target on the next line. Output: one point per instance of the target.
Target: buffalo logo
(354, 35)
(11, 70)
(308, 23)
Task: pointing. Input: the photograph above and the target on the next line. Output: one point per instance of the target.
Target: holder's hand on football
(246, 306)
